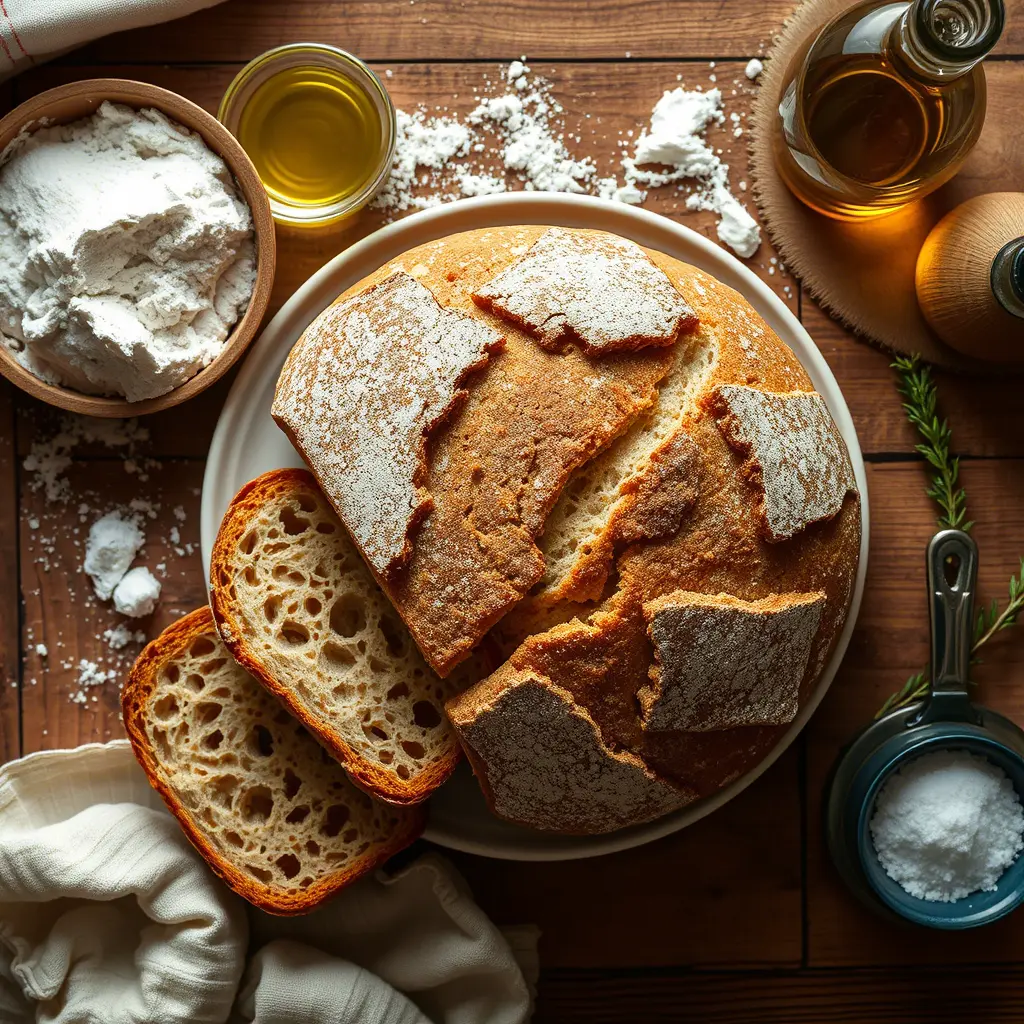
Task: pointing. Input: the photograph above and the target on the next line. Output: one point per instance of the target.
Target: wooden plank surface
(437, 30)
(886, 995)
(643, 935)
(10, 590)
(666, 902)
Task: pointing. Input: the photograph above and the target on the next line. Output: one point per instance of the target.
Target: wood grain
(434, 30)
(10, 592)
(61, 610)
(889, 644)
(667, 902)
(983, 410)
(886, 995)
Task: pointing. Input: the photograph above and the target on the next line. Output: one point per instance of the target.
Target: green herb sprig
(920, 395)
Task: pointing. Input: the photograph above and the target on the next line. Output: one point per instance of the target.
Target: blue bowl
(971, 911)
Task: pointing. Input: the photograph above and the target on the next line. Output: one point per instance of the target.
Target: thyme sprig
(920, 395)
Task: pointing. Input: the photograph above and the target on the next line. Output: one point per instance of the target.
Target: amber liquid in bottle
(871, 118)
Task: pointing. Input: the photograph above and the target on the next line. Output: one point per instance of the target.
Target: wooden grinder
(970, 278)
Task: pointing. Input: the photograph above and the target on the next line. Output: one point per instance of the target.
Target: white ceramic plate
(247, 443)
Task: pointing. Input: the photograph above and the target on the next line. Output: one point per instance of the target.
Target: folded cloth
(108, 916)
(32, 31)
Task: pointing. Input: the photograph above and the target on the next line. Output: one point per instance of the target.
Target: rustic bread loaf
(273, 814)
(595, 471)
(299, 609)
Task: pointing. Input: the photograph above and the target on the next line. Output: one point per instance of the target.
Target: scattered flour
(753, 69)
(126, 254)
(90, 677)
(112, 546)
(137, 593)
(48, 460)
(675, 138)
(947, 825)
(439, 159)
(121, 635)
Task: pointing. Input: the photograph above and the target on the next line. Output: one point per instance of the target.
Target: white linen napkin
(32, 31)
(108, 916)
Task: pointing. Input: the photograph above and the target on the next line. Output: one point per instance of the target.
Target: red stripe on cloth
(3, 43)
(14, 31)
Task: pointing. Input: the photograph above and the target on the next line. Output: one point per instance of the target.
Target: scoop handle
(951, 607)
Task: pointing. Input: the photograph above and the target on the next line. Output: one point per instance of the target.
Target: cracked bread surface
(497, 465)
(542, 763)
(598, 290)
(300, 610)
(594, 644)
(273, 814)
(720, 663)
(359, 394)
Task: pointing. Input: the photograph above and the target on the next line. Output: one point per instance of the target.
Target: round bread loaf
(627, 483)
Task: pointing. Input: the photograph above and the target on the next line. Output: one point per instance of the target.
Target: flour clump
(126, 253)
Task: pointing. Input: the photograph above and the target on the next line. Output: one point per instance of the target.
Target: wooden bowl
(80, 99)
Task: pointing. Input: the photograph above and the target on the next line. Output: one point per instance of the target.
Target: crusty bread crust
(599, 652)
(371, 776)
(499, 462)
(135, 702)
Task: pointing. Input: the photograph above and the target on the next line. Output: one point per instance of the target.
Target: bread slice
(298, 608)
(257, 796)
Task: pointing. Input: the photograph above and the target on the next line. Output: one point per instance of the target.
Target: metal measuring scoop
(945, 720)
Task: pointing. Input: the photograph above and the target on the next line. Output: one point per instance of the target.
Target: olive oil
(314, 135)
(885, 103)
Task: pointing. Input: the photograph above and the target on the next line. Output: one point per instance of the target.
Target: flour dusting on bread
(722, 663)
(597, 289)
(360, 392)
(796, 458)
(541, 758)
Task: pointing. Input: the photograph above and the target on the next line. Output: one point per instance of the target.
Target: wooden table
(741, 917)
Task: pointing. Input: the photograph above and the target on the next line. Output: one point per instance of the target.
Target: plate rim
(508, 209)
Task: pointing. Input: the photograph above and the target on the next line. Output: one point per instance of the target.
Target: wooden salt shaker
(970, 278)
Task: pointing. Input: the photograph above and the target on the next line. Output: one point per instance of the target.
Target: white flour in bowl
(126, 253)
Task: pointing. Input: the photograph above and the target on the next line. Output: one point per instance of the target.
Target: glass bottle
(884, 104)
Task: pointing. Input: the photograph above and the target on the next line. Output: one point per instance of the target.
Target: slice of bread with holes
(298, 608)
(273, 814)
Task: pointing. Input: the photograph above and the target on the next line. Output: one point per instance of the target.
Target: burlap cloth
(862, 273)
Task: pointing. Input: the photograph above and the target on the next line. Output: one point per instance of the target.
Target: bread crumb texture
(796, 457)
(301, 610)
(361, 390)
(595, 289)
(541, 758)
(722, 663)
(268, 807)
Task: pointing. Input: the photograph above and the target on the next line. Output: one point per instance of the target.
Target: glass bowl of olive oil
(319, 127)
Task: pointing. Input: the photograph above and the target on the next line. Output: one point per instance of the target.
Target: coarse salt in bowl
(976, 908)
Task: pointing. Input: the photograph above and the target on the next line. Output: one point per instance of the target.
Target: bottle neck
(1008, 277)
(940, 40)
